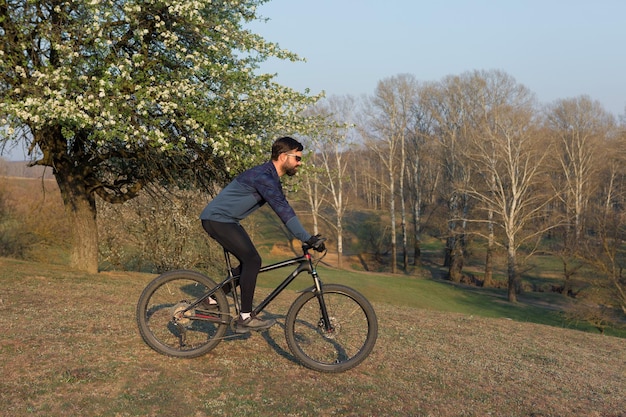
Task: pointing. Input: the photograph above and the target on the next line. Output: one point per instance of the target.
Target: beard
(291, 171)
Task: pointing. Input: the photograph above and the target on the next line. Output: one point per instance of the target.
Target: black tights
(235, 239)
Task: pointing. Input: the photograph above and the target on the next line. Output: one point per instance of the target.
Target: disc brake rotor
(336, 327)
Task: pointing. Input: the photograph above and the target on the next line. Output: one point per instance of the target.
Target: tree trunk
(78, 197)
(455, 270)
(405, 251)
(512, 274)
(417, 202)
(454, 244)
(447, 256)
(339, 244)
(417, 253)
(80, 209)
(417, 250)
(488, 281)
(394, 244)
(313, 199)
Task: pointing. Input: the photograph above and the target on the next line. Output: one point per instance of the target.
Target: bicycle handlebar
(306, 246)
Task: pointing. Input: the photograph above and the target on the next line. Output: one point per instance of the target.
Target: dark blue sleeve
(270, 189)
(272, 192)
(266, 186)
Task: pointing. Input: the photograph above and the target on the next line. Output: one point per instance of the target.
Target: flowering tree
(115, 95)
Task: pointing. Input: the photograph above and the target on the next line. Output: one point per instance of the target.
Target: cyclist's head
(285, 145)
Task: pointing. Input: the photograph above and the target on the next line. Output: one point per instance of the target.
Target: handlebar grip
(306, 246)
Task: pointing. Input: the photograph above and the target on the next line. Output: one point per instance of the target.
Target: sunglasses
(298, 158)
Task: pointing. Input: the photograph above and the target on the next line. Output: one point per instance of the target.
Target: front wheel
(176, 320)
(352, 335)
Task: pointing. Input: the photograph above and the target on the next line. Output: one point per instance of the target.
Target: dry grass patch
(70, 347)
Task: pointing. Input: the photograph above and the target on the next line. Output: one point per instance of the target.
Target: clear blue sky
(557, 48)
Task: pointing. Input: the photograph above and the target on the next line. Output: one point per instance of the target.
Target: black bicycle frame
(305, 264)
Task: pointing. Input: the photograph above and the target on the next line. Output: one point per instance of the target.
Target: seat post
(228, 264)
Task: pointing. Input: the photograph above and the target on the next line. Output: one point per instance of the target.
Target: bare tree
(315, 198)
(421, 172)
(329, 146)
(448, 104)
(509, 154)
(604, 248)
(578, 127)
(390, 119)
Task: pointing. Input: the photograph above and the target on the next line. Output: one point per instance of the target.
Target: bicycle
(328, 327)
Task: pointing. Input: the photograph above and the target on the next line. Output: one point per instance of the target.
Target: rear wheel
(351, 338)
(168, 324)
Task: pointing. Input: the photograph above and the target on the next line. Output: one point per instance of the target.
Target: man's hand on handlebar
(317, 243)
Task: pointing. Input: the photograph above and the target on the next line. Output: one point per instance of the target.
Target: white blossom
(133, 99)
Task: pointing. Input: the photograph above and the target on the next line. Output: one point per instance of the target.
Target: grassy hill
(24, 202)
(70, 346)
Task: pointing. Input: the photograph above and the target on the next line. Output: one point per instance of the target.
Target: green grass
(415, 291)
(436, 295)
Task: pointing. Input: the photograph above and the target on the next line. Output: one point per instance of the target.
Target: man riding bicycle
(245, 194)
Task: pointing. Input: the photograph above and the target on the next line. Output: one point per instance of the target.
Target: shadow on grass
(272, 342)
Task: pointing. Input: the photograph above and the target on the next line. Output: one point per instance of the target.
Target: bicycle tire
(354, 334)
(190, 334)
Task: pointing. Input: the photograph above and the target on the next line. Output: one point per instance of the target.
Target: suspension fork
(319, 293)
